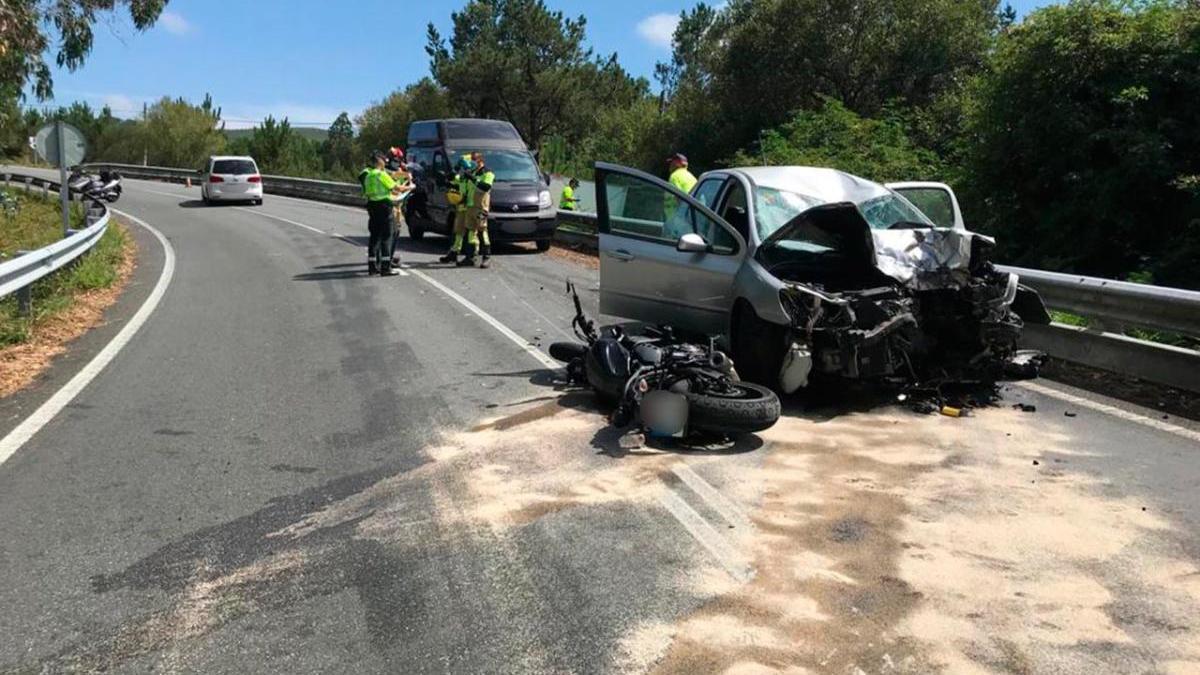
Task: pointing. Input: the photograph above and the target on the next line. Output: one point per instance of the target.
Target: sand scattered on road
(923, 544)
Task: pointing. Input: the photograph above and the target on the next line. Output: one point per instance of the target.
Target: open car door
(935, 200)
(665, 258)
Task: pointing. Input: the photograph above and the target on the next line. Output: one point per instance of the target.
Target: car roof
(216, 157)
(827, 185)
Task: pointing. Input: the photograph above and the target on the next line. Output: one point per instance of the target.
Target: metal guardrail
(18, 274)
(1110, 306)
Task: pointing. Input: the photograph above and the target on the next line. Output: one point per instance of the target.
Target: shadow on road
(354, 271)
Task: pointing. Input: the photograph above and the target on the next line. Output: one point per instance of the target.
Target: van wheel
(543, 245)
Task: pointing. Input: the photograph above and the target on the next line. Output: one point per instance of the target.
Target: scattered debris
(1035, 462)
(1068, 413)
(1025, 407)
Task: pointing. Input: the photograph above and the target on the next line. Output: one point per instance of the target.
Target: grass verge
(65, 305)
(28, 221)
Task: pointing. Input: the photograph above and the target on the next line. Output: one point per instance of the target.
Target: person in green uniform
(461, 186)
(479, 204)
(568, 201)
(378, 187)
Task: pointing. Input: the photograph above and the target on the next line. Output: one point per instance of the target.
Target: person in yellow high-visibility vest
(479, 203)
(674, 221)
(568, 201)
(395, 167)
(461, 195)
(378, 187)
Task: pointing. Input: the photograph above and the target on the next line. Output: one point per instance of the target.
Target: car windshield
(234, 166)
(774, 208)
(510, 166)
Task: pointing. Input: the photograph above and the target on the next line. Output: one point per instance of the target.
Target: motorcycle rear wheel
(746, 408)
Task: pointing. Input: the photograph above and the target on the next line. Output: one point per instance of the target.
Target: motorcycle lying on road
(673, 388)
(106, 185)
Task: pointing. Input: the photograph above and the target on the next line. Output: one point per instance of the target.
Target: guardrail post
(46, 190)
(25, 301)
(28, 182)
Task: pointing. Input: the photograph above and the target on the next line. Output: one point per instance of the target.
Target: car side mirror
(691, 243)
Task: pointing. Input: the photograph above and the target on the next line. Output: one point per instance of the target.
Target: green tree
(385, 123)
(879, 149)
(750, 65)
(1084, 140)
(24, 38)
(337, 152)
(177, 133)
(517, 60)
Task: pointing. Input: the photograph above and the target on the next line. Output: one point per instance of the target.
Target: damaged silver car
(809, 271)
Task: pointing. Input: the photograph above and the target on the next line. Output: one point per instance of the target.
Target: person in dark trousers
(378, 187)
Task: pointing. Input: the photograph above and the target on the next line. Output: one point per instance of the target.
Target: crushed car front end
(905, 306)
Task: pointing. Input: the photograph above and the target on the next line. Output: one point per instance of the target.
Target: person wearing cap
(678, 174)
(568, 201)
(460, 195)
(675, 221)
(378, 187)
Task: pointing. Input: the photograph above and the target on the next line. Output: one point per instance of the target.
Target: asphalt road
(293, 467)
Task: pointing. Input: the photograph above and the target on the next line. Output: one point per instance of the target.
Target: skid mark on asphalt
(886, 542)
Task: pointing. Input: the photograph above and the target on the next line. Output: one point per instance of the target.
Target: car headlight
(544, 201)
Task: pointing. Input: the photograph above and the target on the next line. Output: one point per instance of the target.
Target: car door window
(647, 211)
(933, 202)
(706, 192)
(735, 210)
(441, 168)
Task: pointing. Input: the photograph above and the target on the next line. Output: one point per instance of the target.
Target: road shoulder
(150, 258)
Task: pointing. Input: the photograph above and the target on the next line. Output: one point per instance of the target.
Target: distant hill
(307, 132)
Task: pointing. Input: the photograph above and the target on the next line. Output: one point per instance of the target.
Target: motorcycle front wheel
(744, 408)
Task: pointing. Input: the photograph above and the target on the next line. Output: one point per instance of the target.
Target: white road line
(490, 320)
(1119, 413)
(701, 531)
(711, 496)
(46, 412)
(257, 212)
(176, 195)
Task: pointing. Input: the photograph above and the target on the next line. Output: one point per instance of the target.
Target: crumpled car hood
(925, 259)
(921, 259)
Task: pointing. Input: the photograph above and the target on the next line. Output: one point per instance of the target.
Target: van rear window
(234, 166)
(482, 130)
(422, 132)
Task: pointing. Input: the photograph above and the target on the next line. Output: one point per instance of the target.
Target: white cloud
(658, 29)
(122, 103)
(247, 115)
(174, 23)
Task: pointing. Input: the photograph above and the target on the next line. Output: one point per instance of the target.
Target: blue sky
(311, 59)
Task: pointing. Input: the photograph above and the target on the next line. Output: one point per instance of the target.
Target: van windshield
(510, 166)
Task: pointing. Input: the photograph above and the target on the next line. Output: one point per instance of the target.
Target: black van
(522, 208)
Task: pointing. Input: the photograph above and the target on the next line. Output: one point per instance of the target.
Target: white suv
(232, 179)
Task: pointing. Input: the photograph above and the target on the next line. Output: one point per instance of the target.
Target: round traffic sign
(74, 145)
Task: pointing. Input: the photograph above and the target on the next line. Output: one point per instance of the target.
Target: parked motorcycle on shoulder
(106, 185)
(673, 388)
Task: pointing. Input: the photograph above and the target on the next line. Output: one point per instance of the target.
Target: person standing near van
(568, 201)
(461, 188)
(479, 207)
(378, 187)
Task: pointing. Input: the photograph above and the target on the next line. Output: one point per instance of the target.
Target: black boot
(468, 259)
(486, 250)
(450, 257)
(372, 268)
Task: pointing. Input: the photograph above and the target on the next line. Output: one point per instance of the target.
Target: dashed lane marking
(46, 412)
(729, 557)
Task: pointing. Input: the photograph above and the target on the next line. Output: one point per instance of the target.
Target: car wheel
(204, 197)
(415, 232)
(759, 347)
(543, 245)
(258, 202)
